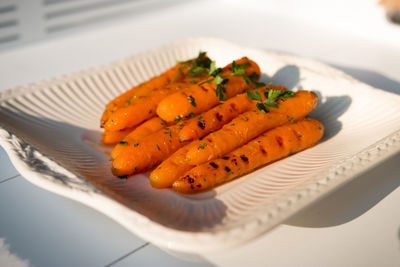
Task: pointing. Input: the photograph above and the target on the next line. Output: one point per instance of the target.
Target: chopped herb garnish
(199, 117)
(262, 107)
(220, 92)
(239, 69)
(178, 118)
(194, 82)
(272, 97)
(202, 146)
(123, 143)
(164, 122)
(135, 145)
(254, 95)
(158, 147)
(150, 111)
(191, 100)
(128, 101)
(191, 114)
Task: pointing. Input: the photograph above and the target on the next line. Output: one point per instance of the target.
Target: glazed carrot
(110, 137)
(270, 146)
(150, 150)
(174, 166)
(143, 108)
(146, 128)
(177, 73)
(216, 117)
(203, 96)
(170, 169)
(249, 125)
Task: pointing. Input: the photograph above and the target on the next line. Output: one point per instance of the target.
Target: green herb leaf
(239, 69)
(213, 67)
(220, 92)
(191, 100)
(135, 145)
(202, 146)
(270, 103)
(123, 143)
(262, 107)
(178, 118)
(191, 114)
(218, 79)
(254, 95)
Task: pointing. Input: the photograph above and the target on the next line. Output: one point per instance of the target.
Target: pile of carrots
(197, 126)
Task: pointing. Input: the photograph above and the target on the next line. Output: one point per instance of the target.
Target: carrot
(270, 146)
(143, 108)
(174, 166)
(203, 96)
(249, 125)
(150, 150)
(110, 137)
(146, 128)
(170, 169)
(177, 73)
(215, 118)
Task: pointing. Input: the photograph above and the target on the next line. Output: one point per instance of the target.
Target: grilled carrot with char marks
(174, 166)
(271, 146)
(218, 116)
(249, 125)
(147, 152)
(203, 96)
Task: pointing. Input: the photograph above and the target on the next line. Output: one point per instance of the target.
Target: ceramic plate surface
(50, 130)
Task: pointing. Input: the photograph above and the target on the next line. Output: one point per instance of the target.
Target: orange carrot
(271, 146)
(110, 137)
(203, 96)
(143, 109)
(249, 125)
(174, 166)
(150, 150)
(177, 73)
(218, 116)
(146, 128)
(170, 169)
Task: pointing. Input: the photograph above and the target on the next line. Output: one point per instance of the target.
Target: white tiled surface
(358, 225)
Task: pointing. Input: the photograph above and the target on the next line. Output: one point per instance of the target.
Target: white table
(358, 225)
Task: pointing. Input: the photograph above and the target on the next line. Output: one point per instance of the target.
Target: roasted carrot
(270, 146)
(110, 138)
(150, 150)
(170, 169)
(203, 96)
(177, 73)
(146, 128)
(249, 125)
(174, 166)
(143, 109)
(216, 117)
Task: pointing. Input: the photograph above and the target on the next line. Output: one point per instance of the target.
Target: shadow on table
(358, 196)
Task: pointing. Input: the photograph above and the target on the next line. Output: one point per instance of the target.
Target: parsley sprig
(197, 67)
(221, 80)
(272, 96)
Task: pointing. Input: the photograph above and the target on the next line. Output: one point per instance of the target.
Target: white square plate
(50, 130)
